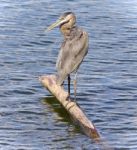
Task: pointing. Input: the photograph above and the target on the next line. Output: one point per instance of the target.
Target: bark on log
(72, 108)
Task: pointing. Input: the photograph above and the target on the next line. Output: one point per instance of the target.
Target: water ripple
(107, 87)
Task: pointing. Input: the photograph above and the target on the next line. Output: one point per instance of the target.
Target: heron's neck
(66, 30)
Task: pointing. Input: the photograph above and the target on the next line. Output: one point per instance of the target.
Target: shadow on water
(57, 108)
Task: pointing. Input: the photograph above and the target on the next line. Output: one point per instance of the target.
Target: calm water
(107, 88)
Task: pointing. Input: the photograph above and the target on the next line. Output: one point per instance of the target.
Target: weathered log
(72, 108)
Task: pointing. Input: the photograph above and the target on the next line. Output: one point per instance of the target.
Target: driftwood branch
(72, 108)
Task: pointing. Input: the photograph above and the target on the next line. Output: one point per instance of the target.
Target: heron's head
(67, 18)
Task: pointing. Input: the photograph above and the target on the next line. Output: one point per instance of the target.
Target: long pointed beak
(57, 23)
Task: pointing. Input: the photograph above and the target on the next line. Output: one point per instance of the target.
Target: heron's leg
(75, 85)
(69, 85)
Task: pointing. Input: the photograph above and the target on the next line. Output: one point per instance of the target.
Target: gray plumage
(72, 52)
(73, 49)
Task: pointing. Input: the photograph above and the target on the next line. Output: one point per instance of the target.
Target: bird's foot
(71, 99)
(68, 98)
(74, 100)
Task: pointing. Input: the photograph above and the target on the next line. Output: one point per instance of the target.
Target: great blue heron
(73, 49)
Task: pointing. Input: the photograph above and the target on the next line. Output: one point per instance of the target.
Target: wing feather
(71, 55)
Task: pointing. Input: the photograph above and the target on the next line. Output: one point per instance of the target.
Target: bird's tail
(60, 80)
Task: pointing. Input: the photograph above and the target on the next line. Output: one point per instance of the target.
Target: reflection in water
(60, 110)
(57, 108)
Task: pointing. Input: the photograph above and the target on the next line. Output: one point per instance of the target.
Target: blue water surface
(107, 79)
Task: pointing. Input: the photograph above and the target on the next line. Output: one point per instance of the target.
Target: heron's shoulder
(82, 31)
(77, 32)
